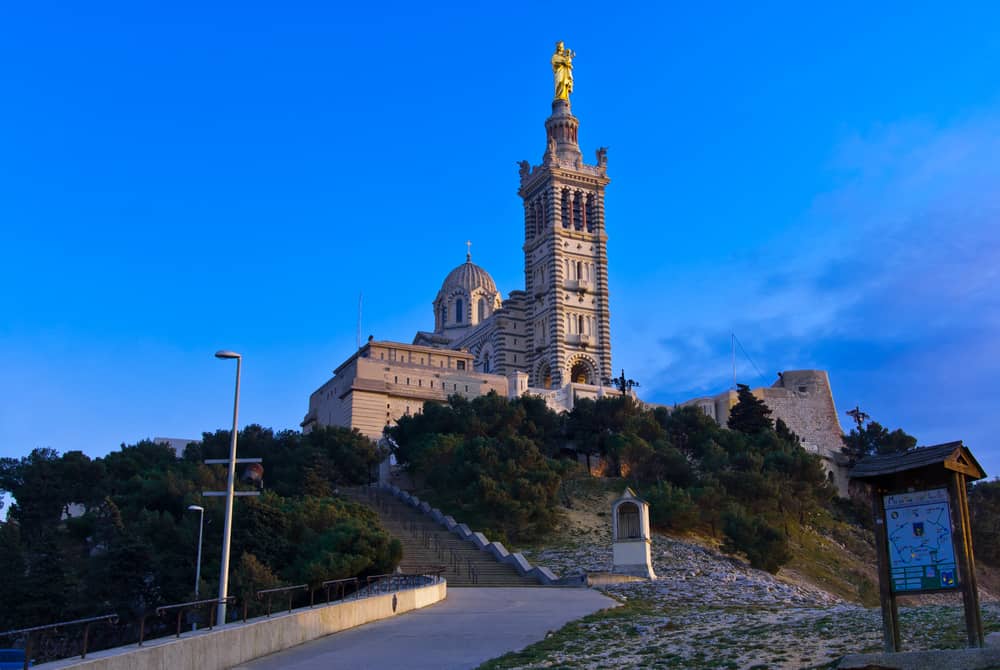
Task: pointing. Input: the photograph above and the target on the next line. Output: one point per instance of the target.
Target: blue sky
(177, 178)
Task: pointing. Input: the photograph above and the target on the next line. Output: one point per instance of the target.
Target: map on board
(921, 555)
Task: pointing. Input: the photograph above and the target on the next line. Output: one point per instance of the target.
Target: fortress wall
(804, 401)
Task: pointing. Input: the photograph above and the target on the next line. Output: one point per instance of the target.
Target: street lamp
(201, 526)
(227, 531)
(197, 570)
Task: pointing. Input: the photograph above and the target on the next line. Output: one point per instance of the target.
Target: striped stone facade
(552, 339)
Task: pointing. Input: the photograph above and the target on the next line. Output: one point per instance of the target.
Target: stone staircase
(426, 545)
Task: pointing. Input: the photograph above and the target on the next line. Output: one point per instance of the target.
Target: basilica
(551, 339)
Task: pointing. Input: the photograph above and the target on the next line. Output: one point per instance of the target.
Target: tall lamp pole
(227, 531)
(197, 569)
(201, 527)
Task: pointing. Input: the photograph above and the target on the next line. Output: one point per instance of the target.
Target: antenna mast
(732, 342)
(360, 294)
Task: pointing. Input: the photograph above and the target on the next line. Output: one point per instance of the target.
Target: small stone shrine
(630, 536)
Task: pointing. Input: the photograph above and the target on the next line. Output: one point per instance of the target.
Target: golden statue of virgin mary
(562, 68)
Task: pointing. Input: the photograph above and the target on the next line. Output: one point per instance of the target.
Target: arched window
(486, 362)
(579, 323)
(458, 311)
(545, 376)
(482, 309)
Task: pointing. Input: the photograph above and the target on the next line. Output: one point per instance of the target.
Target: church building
(552, 339)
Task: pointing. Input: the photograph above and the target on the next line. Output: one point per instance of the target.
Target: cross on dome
(468, 251)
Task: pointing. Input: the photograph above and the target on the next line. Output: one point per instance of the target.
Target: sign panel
(921, 554)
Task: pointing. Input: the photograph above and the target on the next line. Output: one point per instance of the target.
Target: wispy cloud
(892, 274)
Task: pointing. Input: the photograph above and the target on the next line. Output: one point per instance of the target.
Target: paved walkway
(472, 626)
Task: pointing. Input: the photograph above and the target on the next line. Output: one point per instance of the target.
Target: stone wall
(385, 381)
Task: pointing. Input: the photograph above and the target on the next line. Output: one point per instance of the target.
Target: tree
(984, 509)
(749, 415)
(765, 547)
(874, 440)
(14, 568)
(133, 547)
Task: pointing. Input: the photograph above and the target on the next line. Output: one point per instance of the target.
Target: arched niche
(629, 521)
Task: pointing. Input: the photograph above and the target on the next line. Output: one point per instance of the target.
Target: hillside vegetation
(133, 548)
(496, 462)
(509, 468)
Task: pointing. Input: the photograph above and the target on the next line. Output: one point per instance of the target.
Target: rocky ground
(708, 610)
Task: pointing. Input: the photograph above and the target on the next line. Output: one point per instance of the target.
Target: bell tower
(565, 251)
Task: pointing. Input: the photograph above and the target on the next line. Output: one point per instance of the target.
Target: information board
(921, 554)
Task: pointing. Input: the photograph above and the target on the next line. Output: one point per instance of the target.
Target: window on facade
(458, 311)
(579, 324)
(407, 381)
(482, 309)
(420, 382)
(395, 380)
(460, 365)
(486, 362)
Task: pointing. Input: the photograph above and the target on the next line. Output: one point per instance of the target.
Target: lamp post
(197, 570)
(201, 527)
(227, 531)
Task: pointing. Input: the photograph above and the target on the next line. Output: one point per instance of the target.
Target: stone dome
(468, 277)
(467, 297)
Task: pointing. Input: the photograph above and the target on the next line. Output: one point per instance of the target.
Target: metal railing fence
(340, 588)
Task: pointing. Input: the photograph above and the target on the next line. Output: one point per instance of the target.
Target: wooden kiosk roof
(950, 455)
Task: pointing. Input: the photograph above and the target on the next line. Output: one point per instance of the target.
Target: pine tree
(750, 415)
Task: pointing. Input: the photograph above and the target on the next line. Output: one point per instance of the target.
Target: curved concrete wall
(233, 644)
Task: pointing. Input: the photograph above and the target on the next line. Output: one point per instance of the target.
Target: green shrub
(764, 546)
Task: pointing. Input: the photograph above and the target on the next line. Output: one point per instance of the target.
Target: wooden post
(890, 614)
(963, 491)
(962, 540)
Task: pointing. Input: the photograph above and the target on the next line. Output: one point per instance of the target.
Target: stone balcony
(581, 285)
(580, 340)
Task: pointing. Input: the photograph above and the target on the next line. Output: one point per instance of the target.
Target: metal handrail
(110, 618)
(341, 585)
(181, 608)
(281, 589)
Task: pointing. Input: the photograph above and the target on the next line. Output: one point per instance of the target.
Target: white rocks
(708, 610)
(689, 574)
